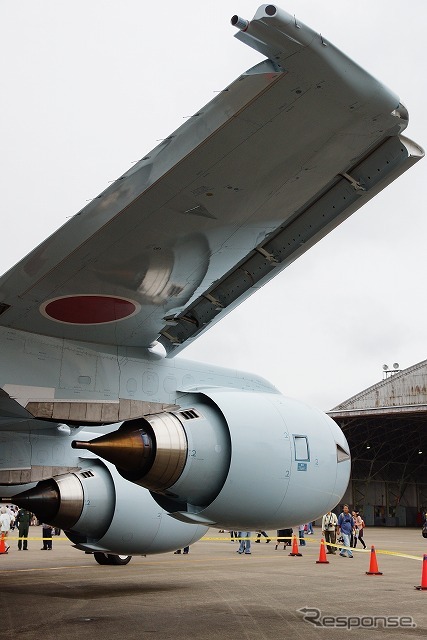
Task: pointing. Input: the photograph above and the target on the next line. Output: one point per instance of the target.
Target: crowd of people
(12, 517)
(346, 529)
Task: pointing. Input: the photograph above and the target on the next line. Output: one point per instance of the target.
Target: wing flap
(344, 197)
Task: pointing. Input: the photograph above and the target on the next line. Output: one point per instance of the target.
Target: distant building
(386, 428)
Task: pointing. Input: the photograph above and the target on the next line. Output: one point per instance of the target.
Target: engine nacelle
(100, 511)
(234, 459)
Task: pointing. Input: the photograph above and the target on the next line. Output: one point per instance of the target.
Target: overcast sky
(90, 86)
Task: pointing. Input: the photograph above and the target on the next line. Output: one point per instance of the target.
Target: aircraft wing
(251, 181)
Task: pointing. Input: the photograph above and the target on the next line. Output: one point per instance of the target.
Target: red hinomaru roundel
(88, 309)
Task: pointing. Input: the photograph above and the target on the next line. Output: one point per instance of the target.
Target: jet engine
(102, 513)
(233, 459)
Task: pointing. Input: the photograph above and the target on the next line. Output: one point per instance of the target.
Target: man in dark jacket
(23, 519)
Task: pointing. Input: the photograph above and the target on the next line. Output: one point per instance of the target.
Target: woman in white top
(4, 524)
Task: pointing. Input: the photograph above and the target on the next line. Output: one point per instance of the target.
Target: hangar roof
(401, 392)
(386, 426)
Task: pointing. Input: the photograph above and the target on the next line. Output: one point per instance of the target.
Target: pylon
(322, 553)
(373, 565)
(423, 585)
(2, 544)
(295, 551)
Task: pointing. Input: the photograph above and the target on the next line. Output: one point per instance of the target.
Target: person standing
(12, 511)
(346, 528)
(329, 530)
(245, 542)
(360, 525)
(301, 531)
(262, 533)
(23, 520)
(47, 537)
(5, 525)
(354, 533)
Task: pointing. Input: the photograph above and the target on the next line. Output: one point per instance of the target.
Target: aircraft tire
(101, 558)
(108, 558)
(118, 559)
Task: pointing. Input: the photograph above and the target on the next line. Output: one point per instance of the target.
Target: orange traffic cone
(423, 585)
(295, 551)
(2, 544)
(322, 554)
(373, 565)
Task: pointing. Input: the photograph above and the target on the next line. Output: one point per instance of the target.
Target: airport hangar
(386, 428)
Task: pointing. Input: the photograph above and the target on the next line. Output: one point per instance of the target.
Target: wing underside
(244, 187)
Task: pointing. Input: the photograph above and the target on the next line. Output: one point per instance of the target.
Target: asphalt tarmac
(213, 592)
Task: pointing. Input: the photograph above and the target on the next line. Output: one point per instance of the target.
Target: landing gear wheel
(119, 559)
(108, 558)
(101, 558)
